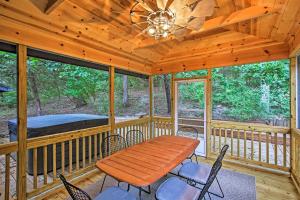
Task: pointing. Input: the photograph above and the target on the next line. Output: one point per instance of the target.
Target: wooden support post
(151, 103)
(293, 108)
(112, 98)
(293, 91)
(22, 122)
(173, 105)
(208, 112)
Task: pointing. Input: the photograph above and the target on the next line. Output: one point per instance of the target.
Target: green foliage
(251, 92)
(242, 93)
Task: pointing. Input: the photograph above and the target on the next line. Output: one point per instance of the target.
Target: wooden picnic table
(144, 163)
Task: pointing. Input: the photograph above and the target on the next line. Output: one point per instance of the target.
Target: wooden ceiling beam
(254, 55)
(221, 21)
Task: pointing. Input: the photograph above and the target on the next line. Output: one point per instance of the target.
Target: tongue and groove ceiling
(239, 31)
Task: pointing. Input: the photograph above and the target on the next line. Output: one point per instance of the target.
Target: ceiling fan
(162, 18)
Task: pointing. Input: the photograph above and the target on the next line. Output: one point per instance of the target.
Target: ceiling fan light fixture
(160, 23)
(151, 31)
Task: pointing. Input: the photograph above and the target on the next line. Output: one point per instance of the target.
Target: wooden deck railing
(74, 153)
(264, 145)
(6, 152)
(162, 126)
(142, 124)
(71, 153)
(295, 150)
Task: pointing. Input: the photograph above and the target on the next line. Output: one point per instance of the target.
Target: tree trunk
(167, 90)
(35, 92)
(125, 90)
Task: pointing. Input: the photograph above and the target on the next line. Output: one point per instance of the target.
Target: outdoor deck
(268, 185)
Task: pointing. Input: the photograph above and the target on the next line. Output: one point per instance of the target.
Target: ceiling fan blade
(145, 5)
(161, 4)
(182, 12)
(168, 4)
(196, 23)
(204, 8)
(181, 32)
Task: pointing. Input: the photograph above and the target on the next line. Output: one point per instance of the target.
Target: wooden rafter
(222, 21)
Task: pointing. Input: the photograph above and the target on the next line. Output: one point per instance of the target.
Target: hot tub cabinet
(53, 124)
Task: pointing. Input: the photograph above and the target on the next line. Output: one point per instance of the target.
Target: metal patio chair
(177, 189)
(112, 193)
(134, 137)
(192, 132)
(110, 145)
(199, 173)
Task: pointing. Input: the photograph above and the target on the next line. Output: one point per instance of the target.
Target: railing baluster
(245, 144)
(35, 168)
(70, 157)
(275, 148)
(267, 147)
(214, 139)
(90, 149)
(77, 153)
(284, 149)
(220, 139)
(252, 145)
(231, 147)
(63, 158)
(83, 152)
(259, 146)
(54, 161)
(95, 148)
(45, 164)
(225, 135)
(238, 143)
(7, 176)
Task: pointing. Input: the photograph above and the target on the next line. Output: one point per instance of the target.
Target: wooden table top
(145, 163)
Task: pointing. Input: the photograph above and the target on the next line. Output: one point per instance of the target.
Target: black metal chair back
(75, 192)
(188, 131)
(212, 176)
(222, 153)
(134, 137)
(111, 144)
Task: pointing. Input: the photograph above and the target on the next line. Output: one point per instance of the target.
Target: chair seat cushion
(115, 193)
(196, 172)
(176, 189)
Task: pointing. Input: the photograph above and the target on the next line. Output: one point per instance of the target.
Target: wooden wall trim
(261, 54)
(22, 121)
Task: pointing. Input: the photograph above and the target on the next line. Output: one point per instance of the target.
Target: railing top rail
(8, 148)
(132, 122)
(62, 137)
(249, 126)
(160, 118)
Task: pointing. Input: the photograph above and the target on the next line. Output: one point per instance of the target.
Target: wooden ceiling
(240, 31)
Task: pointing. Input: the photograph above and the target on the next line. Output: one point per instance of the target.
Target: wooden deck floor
(268, 185)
